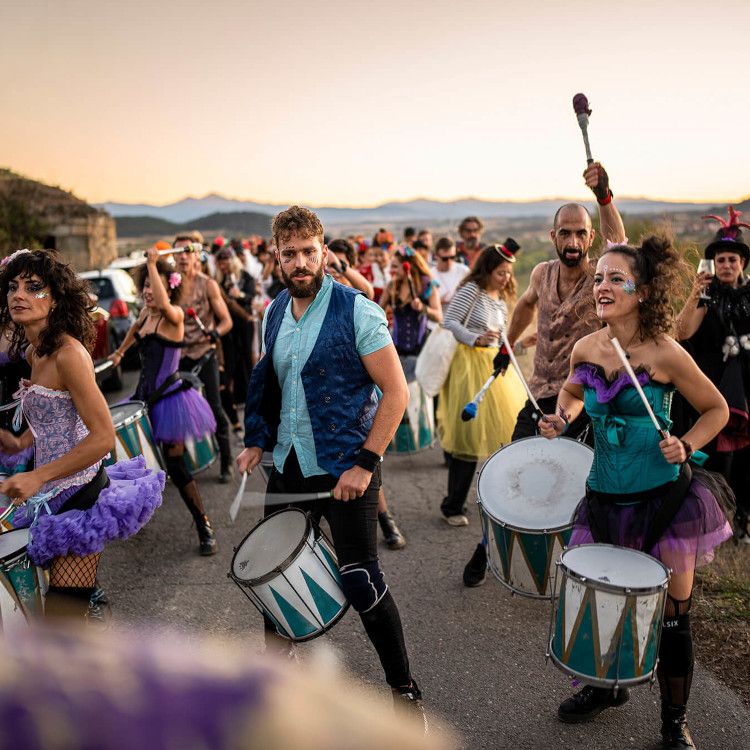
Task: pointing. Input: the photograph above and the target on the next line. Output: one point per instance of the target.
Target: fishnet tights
(72, 571)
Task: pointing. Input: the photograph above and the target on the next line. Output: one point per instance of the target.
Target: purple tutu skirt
(699, 526)
(12, 463)
(181, 415)
(121, 510)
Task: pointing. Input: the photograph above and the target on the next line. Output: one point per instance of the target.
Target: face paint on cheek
(629, 286)
(41, 295)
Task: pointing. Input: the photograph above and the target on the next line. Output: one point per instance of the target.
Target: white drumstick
(265, 500)
(634, 380)
(234, 508)
(517, 368)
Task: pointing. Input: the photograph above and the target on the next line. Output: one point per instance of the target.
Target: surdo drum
(527, 494)
(288, 570)
(608, 618)
(22, 584)
(133, 435)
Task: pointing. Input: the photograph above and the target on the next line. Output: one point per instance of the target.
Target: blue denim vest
(340, 395)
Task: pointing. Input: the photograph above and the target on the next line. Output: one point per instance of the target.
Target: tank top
(195, 343)
(560, 323)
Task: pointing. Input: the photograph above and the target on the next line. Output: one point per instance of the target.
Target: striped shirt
(487, 314)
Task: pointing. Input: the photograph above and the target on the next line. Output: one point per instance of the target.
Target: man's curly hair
(72, 302)
(296, 220)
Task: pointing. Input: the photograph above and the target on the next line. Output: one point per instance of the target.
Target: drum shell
(607, 635)
(523, 558)
(302, 596)
(200, 454)
(134, 437)
(23, 586)
(416, 432)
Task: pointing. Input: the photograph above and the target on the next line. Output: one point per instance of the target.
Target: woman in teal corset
(640, 492)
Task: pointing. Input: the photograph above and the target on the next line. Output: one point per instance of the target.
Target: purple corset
(57, 428)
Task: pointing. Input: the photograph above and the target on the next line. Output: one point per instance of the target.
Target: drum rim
(266, 577)
(9, 558)
(610, 587)
(512, 527)
(142, 412)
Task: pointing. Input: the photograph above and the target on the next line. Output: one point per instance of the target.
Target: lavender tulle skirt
(122, 509)
(181, 415)
(698, 528)
(12, 463)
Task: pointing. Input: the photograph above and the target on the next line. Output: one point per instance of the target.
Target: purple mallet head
(581, 104)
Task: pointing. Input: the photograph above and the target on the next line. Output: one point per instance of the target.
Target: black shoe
(206, 536)
(409, 700)
(475, 572)
(588, 703)
(394, 539)
(675, 734)
(225, 475)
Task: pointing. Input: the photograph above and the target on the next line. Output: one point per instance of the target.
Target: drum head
(127, 410)
(270, 544)
(615, 566)
(11, 542)
(535, 483)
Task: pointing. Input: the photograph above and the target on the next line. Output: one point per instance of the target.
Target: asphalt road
(478, 654)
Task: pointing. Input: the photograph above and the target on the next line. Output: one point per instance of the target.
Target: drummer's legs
(72, 581)
(188, 489)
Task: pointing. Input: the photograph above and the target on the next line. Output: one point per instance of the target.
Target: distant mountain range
(189, 210)
(236, 222)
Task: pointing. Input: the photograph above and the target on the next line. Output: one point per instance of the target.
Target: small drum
(133, 435)
(609, 615)
(22, 584)
(417, 429)
(200, 454)
(527, 494)
(288, 570)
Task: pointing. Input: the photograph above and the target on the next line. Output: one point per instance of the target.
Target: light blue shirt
(294, 344)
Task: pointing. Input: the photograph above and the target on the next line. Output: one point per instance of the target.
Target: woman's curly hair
(165, 271)
(658, 266)
(72, 306)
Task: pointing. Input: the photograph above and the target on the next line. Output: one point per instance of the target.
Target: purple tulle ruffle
(121, 510)
(181, 415)
(699, 526)
(15, 462)
(592, 376)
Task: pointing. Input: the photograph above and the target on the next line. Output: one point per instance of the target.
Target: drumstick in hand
(582, 110)
(407, 271)
(190, 312)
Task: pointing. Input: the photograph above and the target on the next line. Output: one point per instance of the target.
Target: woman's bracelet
(688, 449)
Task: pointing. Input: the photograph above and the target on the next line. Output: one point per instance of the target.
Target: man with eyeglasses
(203, 295)
(448, 273)
(470, 246)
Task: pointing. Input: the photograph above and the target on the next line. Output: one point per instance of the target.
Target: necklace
(629, 344)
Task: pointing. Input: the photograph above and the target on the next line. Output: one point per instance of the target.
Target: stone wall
(86, 242)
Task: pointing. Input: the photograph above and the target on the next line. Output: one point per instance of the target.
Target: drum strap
(184, 379)
(84, 498)
(599, 503)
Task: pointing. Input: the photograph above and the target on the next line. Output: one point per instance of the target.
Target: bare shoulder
(588, 348)
(72, 358)
(669, 353)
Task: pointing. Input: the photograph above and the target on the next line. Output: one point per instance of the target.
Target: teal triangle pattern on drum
(536, 550)
(623, 662)
(565, 535)
(300, 625)
(582, 658)
(129, 440)
(331, 562)
(503, 540)
(327, 606)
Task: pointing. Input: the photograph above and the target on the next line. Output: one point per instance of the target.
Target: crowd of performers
(323, 338)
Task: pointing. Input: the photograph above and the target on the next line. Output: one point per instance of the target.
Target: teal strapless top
(627, 457)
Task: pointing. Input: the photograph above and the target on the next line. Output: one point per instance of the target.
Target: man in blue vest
(312, 400)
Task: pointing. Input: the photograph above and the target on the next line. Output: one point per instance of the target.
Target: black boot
(588, 703)
(394, 539)
(191, 497)
(675, 734)
(475, 572)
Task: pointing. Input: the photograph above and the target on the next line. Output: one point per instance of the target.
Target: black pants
(353, 527)
(209, 376)
(527, 420)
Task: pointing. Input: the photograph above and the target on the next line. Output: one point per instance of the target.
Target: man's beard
(306, 288)
(572, 261)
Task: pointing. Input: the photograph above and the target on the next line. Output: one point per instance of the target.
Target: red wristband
(606, 201)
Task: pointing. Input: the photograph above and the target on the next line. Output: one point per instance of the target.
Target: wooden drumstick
(634, 380)
(582, 110)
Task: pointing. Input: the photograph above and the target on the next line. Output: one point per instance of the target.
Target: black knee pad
(363, 584)
(676, 649)
(177, 471)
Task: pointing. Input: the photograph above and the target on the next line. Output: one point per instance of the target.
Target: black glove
(214, 336)
(602, 191)
(502, 360)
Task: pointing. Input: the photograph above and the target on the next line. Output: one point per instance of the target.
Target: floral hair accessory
(13, 256)
(175, 279)
(610, 245)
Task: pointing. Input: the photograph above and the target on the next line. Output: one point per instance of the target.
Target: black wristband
(367, 460)
(688, 449)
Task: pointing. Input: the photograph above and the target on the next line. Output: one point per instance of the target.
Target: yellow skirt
(496, 418)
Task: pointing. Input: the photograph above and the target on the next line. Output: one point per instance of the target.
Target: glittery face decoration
(629, 286)
(41, 295)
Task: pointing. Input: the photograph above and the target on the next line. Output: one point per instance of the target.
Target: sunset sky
(354, 103)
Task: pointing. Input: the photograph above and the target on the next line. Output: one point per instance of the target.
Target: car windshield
(102, 287)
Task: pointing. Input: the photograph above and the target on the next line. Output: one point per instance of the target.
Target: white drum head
(13, 541)
(122, 412)
(535, 483)
(615, 566)
(269, 545)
